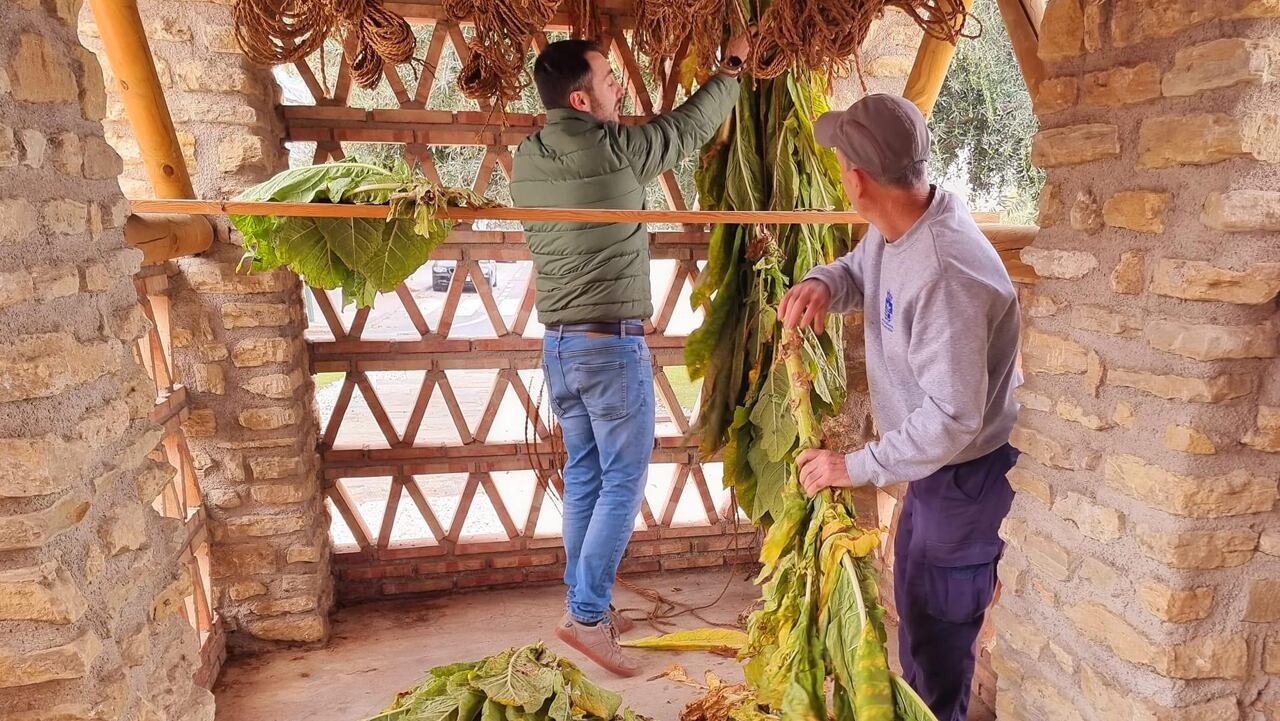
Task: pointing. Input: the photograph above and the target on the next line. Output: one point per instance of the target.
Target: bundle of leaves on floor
(519, 684)
(362, 256)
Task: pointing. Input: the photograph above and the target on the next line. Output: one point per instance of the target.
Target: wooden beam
(126, 46)
(571, 215)
(933, 59)
(163, 237)
(1022, 20)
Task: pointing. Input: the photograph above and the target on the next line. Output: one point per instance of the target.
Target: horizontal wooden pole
(471, 458)
(558, 215)
(165, 236)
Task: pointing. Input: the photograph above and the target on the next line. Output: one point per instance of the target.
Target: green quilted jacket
(600, 271)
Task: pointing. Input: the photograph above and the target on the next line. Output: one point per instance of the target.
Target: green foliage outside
(983, 123)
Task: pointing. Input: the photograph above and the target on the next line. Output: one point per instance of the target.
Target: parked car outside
(442, 272)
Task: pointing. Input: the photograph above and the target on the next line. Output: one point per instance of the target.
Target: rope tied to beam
(274, 32)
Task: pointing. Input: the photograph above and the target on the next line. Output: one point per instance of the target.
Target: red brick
(524, 560)
(543, 575)
(648, 534)
(639, 565)
(657, 548)
(453, 565)
(417, 585)
(740, 542)
(353, 557)
(692, 531)
(693, 561)
(548, 542)
(491, 578)
(467, 549)
(373, 572)
(400, 553)
(353, 591)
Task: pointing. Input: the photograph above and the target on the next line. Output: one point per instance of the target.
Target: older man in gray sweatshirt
(941, 329)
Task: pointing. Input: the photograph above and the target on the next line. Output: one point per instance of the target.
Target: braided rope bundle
(494, 70)
(823, 35)
(828, 34)
(272, 32)
(664, 27)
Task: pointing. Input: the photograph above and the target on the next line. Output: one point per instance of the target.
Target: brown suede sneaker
(598, 643)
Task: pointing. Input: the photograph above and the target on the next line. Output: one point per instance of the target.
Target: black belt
(615, 327)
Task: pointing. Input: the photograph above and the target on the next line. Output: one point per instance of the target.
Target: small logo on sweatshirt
(887, 319)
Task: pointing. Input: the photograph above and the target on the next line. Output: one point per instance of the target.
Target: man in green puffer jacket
(593, 294)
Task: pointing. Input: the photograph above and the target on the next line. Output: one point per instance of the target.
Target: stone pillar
(90, 593)
(238, 339)
(1140, 580)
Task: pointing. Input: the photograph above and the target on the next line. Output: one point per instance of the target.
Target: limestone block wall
(238, 339)
(91, 621)
(1140, 580)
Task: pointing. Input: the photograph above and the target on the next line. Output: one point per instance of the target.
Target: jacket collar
(560, 115)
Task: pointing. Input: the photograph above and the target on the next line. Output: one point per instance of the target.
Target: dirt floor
(380, 649)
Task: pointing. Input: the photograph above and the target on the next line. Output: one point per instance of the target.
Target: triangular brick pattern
(437, 436)
(179, 496)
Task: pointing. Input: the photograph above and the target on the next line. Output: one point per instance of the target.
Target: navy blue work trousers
(944, 572)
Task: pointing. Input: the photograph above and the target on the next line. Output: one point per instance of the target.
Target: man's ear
(579, 101)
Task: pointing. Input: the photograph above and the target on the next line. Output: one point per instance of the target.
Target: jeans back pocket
(602, 386)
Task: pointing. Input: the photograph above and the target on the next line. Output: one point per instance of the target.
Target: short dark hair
(561, 69)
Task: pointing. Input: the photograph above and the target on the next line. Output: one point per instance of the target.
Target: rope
(663, 27)
(494, 68)
(274, 32)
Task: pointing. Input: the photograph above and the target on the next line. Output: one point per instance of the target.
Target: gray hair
(913, 176)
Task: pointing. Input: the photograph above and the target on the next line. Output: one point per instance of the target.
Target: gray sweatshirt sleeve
(947, 355)
(844, 279)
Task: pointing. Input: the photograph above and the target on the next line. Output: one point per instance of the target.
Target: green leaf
(322, 182)
(795, 511)
(907, 703)
(363, 256)
(773, 416)
(826, 366)
(698, 639)
(561, 706)
(589, 697)
(771, 478)
(515, 679)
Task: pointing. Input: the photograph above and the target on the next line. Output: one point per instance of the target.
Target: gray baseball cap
(882, 134)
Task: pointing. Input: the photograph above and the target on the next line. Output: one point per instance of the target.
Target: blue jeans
(601, 390)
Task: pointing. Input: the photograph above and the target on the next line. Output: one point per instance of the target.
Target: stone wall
(91, 622)
(1140, 580)
(237, 338)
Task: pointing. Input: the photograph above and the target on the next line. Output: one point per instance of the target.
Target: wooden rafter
(1022, 20)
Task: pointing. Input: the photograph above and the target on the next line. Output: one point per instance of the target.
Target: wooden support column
(933, 59)
(126, 46)
(1022, 20)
